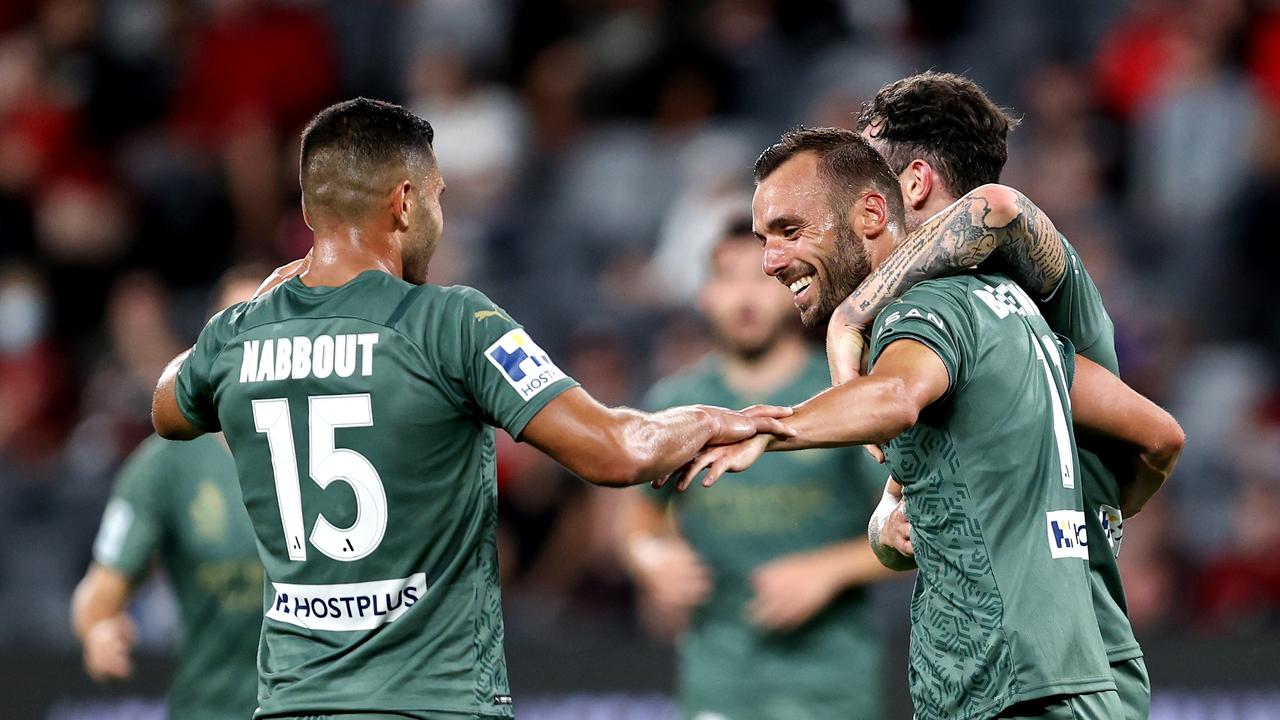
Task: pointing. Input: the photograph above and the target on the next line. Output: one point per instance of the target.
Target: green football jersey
(786, 503)
(180, 502)
(1075, 310)
(1002, 611)
(361, 420)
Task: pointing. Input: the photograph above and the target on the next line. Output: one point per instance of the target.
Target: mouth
(802, 289)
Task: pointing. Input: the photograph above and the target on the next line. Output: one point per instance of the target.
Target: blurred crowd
(592, 150)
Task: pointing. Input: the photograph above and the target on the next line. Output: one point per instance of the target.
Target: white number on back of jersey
(1046, 351)
(326, 413)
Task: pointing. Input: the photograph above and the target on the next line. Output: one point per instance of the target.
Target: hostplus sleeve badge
(525, 366)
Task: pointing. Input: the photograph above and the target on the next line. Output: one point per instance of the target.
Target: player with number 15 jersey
(360, 418)
(360, 405)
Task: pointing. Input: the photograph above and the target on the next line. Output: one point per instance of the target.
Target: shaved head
(369, 163)
(354, 152)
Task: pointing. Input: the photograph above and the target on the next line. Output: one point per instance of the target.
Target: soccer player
(359, 405)
(968, 389)
(179, 503)
(944, 137)
(767, 574)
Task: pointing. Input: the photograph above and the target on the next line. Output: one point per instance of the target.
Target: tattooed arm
(991, 222)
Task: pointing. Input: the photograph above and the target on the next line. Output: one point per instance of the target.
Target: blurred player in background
(944, 137)
(179, 503)
(384, 392)
(968, 388)
(765, 578)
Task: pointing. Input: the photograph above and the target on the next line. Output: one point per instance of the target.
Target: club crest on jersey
(525, 366)
(1067, 535)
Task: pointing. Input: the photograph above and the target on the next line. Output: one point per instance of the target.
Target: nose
(775, 259)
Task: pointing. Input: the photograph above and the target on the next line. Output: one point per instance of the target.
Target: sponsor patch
(1067, 536)
(1113, 525)
(346, 606)
(525, 366)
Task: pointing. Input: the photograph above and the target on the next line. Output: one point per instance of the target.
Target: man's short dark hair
(846, 162)
(346, 143)
(946, 120)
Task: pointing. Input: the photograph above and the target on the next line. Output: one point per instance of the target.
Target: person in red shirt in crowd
(257, 71)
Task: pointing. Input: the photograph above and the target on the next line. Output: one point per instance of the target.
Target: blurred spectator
(33, 402)
(258, 70)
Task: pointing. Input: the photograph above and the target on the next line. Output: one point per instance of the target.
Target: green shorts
(1103, 705)
(1134, 687)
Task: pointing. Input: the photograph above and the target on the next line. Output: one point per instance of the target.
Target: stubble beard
(847, 267)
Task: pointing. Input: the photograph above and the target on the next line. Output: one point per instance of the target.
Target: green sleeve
(507, 377)
(931, 317)
(133, 523)
(1075, 310)
(195, 385)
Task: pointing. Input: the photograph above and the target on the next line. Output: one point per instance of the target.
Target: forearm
(991, 221)
(1150, 471)
(658, 444)
(643, 524)
(886, 555)
(100, 595)
(852, 563)
(869, 410)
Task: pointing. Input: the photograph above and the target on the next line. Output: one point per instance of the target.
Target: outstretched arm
(868, 410)
(1104, 404)
(991, 222)
(621, 446)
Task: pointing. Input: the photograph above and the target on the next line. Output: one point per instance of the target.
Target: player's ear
(401, 204)
(916, 183)
(869, 215)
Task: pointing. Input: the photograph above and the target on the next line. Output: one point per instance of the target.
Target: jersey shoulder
(936, 300)
(689, 382)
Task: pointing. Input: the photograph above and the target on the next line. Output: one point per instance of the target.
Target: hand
(756, 420)
(284, 273)
(846, 345)
(672, 578)
(896, 532)
(790, 590)
(107, 646)
(722, 459)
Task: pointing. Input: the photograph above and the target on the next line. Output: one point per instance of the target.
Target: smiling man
(765, 580)
(968, 388)
(360, 404)
(940, 155)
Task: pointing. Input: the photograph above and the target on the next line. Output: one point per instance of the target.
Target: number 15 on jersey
(325, 413)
